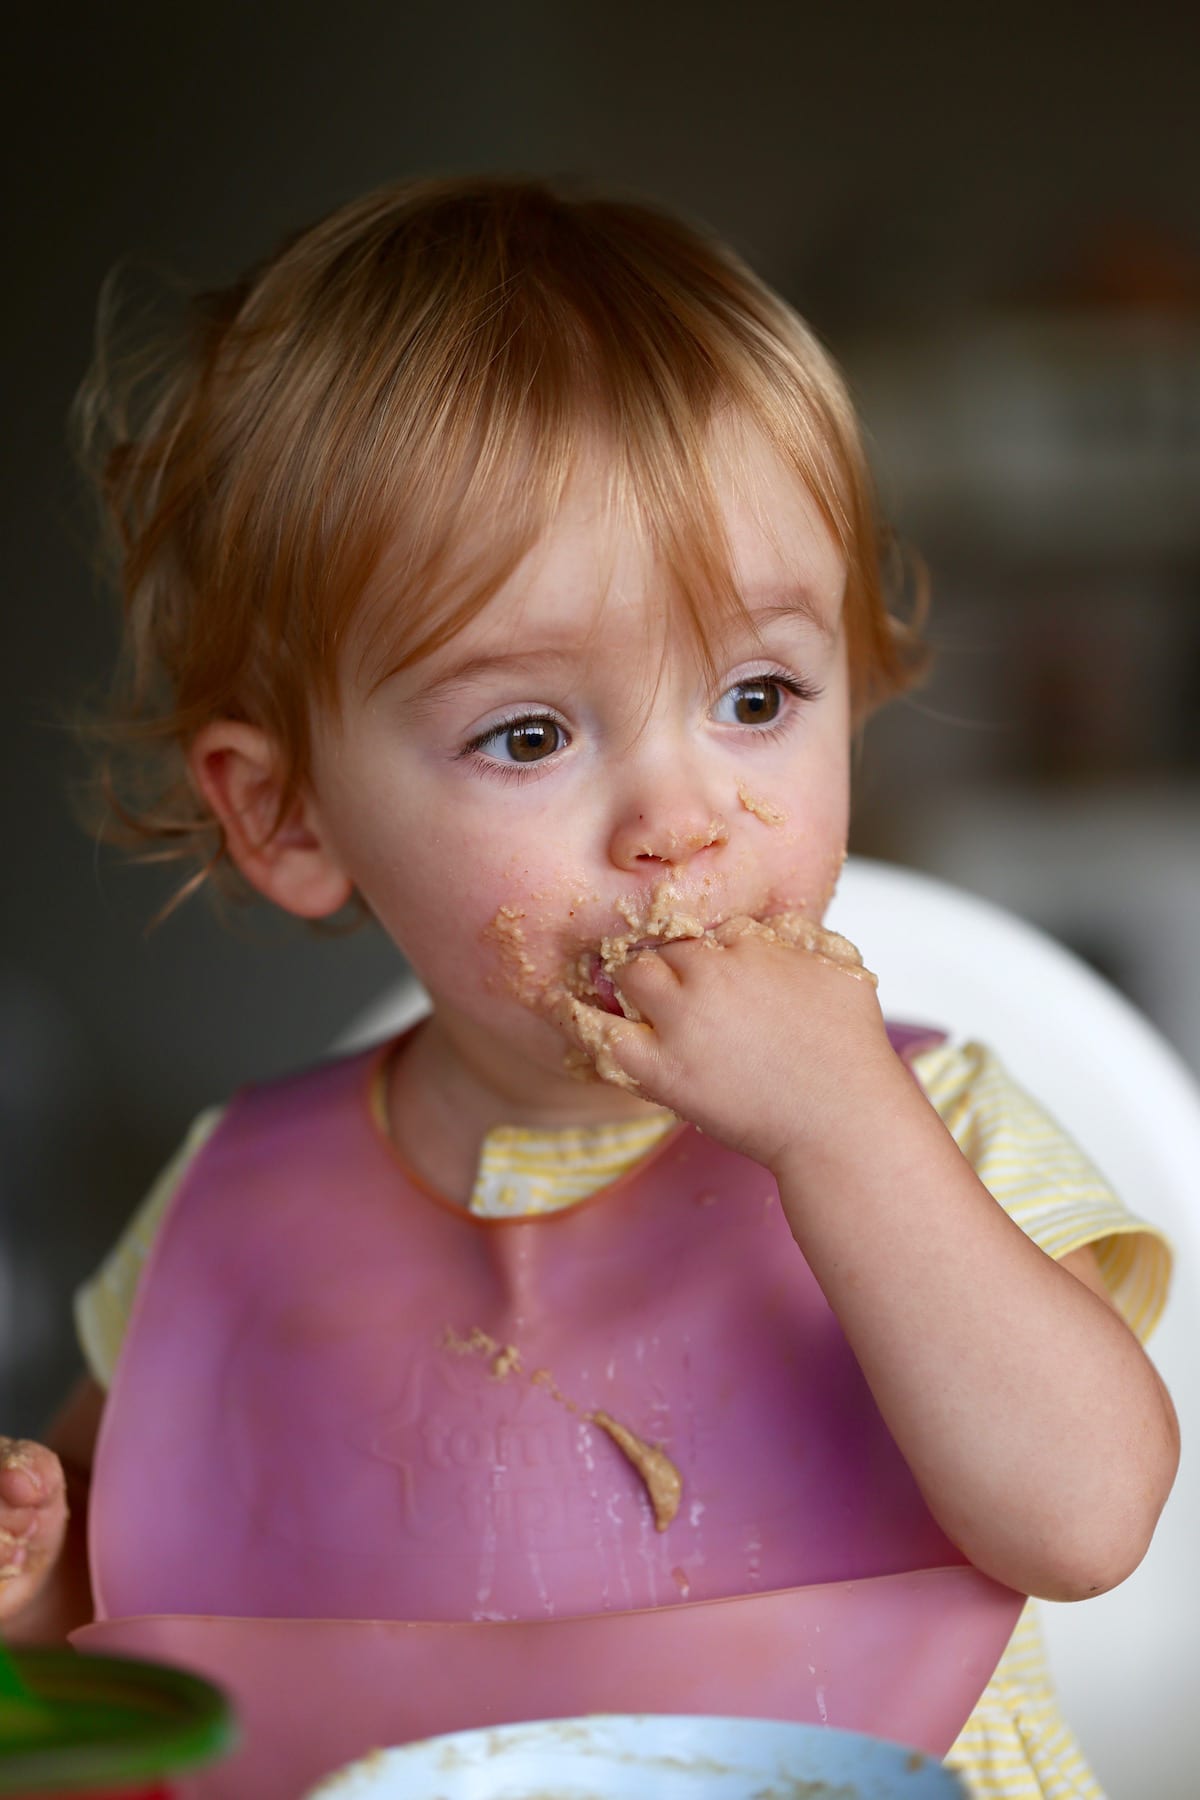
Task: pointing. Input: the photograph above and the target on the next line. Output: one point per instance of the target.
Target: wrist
(850, 1116)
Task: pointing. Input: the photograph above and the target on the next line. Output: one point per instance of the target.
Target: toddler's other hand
(33, 1520)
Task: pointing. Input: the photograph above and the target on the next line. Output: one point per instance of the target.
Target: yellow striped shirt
(1014, 1746)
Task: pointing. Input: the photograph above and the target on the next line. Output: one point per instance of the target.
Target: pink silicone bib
(361, 1428)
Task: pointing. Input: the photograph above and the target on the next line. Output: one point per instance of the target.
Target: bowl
(620, 1756)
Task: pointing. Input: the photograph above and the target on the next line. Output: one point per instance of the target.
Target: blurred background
(994, 220)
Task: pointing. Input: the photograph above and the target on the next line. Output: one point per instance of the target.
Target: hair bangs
(360, 441)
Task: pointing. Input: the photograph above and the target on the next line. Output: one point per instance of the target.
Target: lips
(660, 917)
(602, 986)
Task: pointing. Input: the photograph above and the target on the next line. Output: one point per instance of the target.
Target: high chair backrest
(1125, 1663)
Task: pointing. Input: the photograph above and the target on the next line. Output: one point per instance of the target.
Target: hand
(33, 1521)
(761, 1040)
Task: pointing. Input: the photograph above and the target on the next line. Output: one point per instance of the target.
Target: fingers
(674, 956)
(15, 1543)
(21, 1587)
(656, 974)
(620, 1051)
(644, 979)
(33, 1520)
(30, 1474)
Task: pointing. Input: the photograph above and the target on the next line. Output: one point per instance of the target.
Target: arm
(1038, 1430)
(43, 1503)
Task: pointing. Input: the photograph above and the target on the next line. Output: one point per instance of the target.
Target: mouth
(601, 984)
(598, 976)
(664, 915)
(593, 975)
(592, 978)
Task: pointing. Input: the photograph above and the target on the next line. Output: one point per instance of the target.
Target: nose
(668, 823)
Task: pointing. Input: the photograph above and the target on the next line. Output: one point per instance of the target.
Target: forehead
(775, 530)
(596, 565)
(612, 558)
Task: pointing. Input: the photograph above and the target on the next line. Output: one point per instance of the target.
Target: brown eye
(756, 702)
(531, 740)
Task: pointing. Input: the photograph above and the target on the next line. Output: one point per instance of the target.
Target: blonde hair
(434, 355)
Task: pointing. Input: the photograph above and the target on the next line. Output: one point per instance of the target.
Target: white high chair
(1126, 1663)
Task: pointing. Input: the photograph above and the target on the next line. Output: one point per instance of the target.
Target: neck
(450, 1088)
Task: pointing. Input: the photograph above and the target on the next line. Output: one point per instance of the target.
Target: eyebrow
(473, 668)
(791, 603)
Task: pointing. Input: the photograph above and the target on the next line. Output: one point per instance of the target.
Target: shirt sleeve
(1042, 1178)
(104, 1302)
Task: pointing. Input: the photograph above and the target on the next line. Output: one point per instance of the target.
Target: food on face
(589, 1021)
(666, 918)
(574, 995)
(592, 1052)
(762, 809)
(662, 918)
(520, 973)
(586, 992)
(803, 933)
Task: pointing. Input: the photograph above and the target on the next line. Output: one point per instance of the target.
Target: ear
(239, 772)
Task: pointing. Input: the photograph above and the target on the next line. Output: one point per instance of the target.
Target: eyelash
(498, 771)
(797, 686)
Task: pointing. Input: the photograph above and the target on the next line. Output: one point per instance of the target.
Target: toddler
(502, 560)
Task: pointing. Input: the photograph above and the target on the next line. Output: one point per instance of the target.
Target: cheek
(529, 856)
(440, 868)
(802, 858)
(482, 915)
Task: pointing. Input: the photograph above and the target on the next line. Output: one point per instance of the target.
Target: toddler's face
(563, 771)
